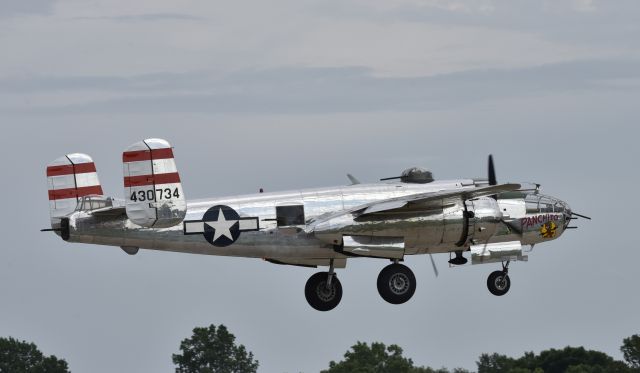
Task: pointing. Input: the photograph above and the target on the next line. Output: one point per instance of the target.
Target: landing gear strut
(499, 281)
(396, 283)
(323, 290)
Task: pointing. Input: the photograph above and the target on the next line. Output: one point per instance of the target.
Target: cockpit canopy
(539, 203)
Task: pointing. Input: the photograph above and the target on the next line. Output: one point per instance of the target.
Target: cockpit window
(546, 207)
(537, 203)
(532, 203)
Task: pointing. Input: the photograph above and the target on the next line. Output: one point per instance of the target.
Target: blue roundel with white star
(221, 225)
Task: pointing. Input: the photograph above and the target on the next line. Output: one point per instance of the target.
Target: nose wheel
(499, 281)
(396, 283)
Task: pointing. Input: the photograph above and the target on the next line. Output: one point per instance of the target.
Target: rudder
(153, 191)
(70, 178)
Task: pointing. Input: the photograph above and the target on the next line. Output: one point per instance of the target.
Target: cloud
(315, 90)
(399, 38)
(9, 8)
(144, 17)
(577, 22)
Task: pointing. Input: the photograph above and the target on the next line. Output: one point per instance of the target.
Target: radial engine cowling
(484, 218)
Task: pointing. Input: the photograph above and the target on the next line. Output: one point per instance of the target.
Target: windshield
(538, 203)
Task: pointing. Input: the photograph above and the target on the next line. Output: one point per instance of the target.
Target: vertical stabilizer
(153, 192)
(69, 179)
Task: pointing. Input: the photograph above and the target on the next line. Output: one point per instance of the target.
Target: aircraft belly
(258, 244)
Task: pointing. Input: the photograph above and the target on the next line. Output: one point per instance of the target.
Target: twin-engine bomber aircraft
(406, 215)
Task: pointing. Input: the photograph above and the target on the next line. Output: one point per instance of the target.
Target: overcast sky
(294, 94)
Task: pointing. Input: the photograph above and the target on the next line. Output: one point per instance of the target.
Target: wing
(449, 196)
(419, 202)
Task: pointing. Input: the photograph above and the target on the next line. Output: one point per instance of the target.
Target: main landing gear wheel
(396, 283)
(498, 283)
(319, 295)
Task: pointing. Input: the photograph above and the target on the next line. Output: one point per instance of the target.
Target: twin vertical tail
(153, 193)
(69, 179)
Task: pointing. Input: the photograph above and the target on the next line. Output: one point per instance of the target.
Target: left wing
(448, 196)
(420, 201)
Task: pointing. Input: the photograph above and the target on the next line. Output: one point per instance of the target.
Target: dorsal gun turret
(414, 175)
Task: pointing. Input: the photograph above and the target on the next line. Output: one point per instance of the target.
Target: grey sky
(296, 94)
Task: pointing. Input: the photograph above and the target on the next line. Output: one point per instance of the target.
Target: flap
(309, 262)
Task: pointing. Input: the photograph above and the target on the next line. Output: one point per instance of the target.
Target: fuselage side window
(290, 215)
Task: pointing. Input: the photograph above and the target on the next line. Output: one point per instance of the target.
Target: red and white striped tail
(153, 192)
(70, 178)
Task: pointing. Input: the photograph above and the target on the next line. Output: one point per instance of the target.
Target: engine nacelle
(454, 225)
(484, 217)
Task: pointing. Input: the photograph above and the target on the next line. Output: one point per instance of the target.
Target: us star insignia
(221, 225)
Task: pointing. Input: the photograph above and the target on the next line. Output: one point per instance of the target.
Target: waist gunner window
(290, 215)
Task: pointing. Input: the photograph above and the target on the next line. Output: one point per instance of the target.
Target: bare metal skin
(325, 226)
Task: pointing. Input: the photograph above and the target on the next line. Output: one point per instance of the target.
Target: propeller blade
(433, 263)
(492, 172)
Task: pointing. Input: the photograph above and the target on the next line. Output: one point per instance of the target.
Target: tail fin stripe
(168, 178)
(149, 167)
(79, 168)
(74, 192)
(87, 179)
(147, 155)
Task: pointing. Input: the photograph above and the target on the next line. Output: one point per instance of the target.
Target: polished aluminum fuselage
(442, 229)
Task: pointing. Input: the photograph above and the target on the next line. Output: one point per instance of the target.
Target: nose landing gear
(499, 281)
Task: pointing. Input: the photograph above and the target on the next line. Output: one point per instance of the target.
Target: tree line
(213, 349)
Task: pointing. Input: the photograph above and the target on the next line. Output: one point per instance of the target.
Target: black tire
(319, 296)
(396, 283)
(498, 283)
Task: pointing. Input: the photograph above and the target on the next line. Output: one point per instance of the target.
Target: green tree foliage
(569, 359)
(631, 351)
(22, 357)
(213, 350)
(378, 358)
